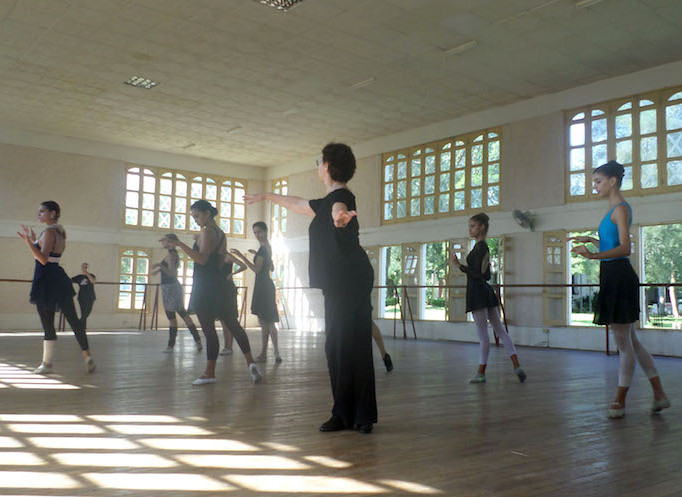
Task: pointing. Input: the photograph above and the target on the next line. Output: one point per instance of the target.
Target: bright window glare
(9, 443)
(33, 479)
(280, 447)
(328, 462)
(22, 379)
(157, 481)
(158, 430)
(20, 459)
(198, 444)
(83, 443)
(134, 419)
(240, 462)
(406, 486)
(32, 386)
(56, 428)
(303, 484)
(114, 460)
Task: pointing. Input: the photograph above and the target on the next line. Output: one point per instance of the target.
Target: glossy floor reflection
(139, 428)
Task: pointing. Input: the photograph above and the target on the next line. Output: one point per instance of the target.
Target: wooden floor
(138, 428)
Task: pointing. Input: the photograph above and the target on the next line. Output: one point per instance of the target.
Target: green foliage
(662, 255)
(580, 265)
(394, 271)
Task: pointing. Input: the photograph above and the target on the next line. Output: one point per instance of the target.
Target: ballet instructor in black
(339, 266)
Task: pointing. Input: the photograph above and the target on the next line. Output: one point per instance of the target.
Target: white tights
(630, 348)
(481, 318)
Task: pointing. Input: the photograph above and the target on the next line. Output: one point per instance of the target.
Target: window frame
(158, 174)
(133, 252)
(278, 214)
(660, 101)
(416, 180)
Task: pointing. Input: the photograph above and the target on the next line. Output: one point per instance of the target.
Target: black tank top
(166, 278)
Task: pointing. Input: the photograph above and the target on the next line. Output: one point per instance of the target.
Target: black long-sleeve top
(479, 293)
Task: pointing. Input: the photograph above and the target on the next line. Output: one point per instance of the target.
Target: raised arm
(255, 266)
(40, 254)
(341, 215)
(207, 243)
(621, 218)
(294, 204)
(479, 270)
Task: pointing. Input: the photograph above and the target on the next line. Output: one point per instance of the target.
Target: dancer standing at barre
(52, 288)
(173, 295)
(264, 301)
(209, 297)
(86, 292)
(481, 300)
(340, 267)
(617, 303)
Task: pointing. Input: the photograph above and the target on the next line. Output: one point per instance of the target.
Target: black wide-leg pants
(348, 345)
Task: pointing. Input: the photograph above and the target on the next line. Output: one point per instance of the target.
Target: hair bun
(616, 168)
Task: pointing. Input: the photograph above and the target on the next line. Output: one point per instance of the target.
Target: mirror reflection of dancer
(617, 303)
(264, 302)
(481, 300)
(86, 292)
(51, 287)
(209, 298)
(173, 295)
(340, 267)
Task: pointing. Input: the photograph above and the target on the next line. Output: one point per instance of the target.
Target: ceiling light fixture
(362, 84)
(283, 5)
(462, 48)
(140, 82)
(581, 4)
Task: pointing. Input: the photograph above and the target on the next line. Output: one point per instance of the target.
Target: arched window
(278, 214)
(133, 276)
(162, 198)
(448, 178)
(642, 132)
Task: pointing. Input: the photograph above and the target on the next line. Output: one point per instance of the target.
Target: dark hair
(261, 225)
(612, 169)
(51, 205)
(204, 206)
(483, 219)
(341, 161)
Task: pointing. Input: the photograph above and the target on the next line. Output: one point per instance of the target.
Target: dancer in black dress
(86, 292)
(264, 301)
(481, 300)
(231, 272)
(617, 303)
(212, 296)
(52, 289)
(340, 267)
(173, 296)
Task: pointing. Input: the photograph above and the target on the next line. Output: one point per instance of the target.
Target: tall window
(435, 277)
(447, 178)
(133, 274)
(278, 214)
(583, 272)
(158, 198)
(662, 264)
(392, 261)
(185, 275)
(642, 132)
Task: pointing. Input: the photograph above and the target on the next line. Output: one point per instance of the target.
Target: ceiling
(284, 80)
